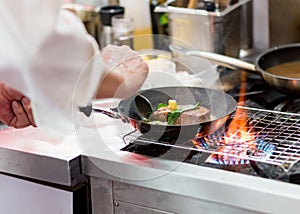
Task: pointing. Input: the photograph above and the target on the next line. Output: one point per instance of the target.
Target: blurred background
(237, 28)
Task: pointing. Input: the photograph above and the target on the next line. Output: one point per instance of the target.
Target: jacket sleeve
(47, 55)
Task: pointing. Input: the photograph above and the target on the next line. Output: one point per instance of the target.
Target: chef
(47, 57)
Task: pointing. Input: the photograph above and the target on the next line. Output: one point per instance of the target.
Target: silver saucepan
(272, 57)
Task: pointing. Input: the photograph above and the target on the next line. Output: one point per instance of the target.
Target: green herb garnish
(174, 115)
(147, 115)
(160, 105)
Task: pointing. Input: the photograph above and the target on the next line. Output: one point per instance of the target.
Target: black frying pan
(272, 57)
(220, 104)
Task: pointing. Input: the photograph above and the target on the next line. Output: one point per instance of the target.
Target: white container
(208, 78)
(162, 69)
(162, 72)
(196, 71)
(165, 71)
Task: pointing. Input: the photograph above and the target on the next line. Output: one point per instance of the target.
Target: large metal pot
(272, 57)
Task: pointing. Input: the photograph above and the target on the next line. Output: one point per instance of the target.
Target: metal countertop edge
(208, 184)
(43, 168)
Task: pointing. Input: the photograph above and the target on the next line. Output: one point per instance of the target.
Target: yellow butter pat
(172, 104)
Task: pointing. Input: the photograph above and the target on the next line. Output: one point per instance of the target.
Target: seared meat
(198, 115)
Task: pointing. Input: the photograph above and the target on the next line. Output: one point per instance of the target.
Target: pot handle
(225, 61)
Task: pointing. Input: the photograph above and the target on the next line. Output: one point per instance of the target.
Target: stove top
(273, 151)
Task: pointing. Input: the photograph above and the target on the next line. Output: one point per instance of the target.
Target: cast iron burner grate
(275, 141)
(289, 105)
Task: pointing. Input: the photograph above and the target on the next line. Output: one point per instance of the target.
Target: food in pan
(173, 114)
(290, 69)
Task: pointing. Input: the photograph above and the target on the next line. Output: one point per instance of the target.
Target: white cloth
(46, 53)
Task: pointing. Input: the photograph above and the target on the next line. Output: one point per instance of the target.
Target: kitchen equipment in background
(287, 80)
(159, 22)
(162, 72)
(88, 12)
(199, 29)
(139, 11)
(89, 15)
(246, 27)
(207, 78)
(217, 31)
(106, 14)
(165, 70)
(122, 29)
(192, 4)
(162, 69)
(97, 3)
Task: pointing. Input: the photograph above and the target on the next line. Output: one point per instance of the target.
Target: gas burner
(271, 146)
(142, 145)
(290, 105)
(277, 173)
(258, 92)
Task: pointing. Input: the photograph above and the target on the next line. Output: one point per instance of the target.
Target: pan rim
(228, 113)
(270, 50)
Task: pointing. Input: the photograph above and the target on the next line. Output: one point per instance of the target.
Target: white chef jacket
(46, 53)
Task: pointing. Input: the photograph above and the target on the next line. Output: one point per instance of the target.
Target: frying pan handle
(108, 112)
(225, 61)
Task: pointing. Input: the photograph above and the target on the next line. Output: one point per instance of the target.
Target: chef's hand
(15, 109)
(127, 72)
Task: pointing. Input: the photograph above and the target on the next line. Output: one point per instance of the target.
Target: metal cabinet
(121, 198)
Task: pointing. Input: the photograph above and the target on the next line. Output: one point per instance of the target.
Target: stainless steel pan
(275, 56)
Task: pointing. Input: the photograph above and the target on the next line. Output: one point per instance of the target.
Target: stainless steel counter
(174, 187)
(183, 188)
(28, 153)
(130, 179)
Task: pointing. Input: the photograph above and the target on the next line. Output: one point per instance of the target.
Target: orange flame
(238, 139)
(238, 126)
(238, 130)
